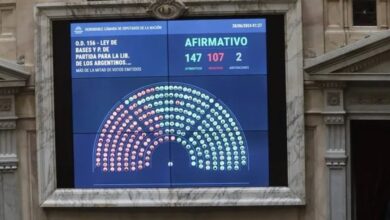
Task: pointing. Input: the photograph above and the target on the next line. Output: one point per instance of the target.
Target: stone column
(336, 158)
(9, 193)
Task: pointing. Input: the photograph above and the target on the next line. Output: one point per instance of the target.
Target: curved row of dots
(145, 119)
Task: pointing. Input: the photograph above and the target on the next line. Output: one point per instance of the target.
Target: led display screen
(180, 103)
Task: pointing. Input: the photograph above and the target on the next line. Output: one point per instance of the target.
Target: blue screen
(170, 103)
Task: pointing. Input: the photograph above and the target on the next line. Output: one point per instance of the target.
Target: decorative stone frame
(338, 72)
(50, 196)
(13, 79)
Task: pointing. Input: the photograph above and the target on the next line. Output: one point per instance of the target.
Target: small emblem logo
(78, 30)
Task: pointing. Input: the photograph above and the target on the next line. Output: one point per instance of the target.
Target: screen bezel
(51, 196)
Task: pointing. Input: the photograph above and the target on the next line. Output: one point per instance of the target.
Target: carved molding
(5, 104)
(8, 90)
(369, 99)
(372, 61)
(6, 167)
(336, 162)
(334, 119)
(352, 57)
(332, 84)
(7, 125)
(167, 9)
(8, 15)
(333, 98)
(8, 162)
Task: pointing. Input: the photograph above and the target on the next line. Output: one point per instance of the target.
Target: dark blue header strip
(175, 27)
(118, 28)
(217, 26)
